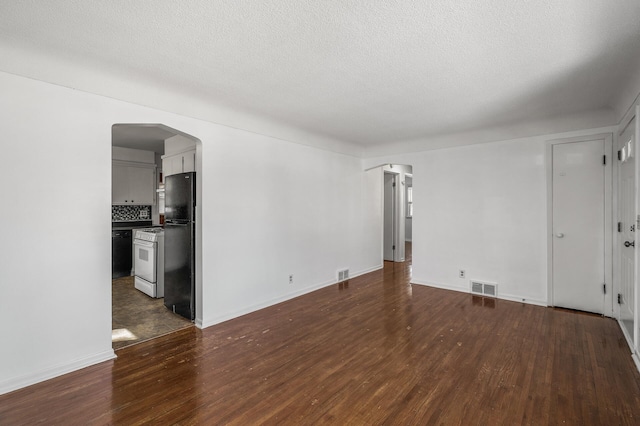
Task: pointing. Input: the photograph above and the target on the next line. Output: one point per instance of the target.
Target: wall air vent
(484, 288)
(343, 275)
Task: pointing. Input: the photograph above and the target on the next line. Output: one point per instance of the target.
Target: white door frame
(636, 315)
(634, 345)
(608, 216)
(636, 318)
(619, 250)
(395, 199)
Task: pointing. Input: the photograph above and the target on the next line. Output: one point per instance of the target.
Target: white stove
(148, 261)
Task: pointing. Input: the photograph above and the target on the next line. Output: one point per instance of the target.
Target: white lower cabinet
(132, 184)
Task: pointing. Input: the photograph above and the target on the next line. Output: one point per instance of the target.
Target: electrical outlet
(461, 274)
(291, 279)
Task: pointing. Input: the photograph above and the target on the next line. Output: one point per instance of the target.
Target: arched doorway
(141, 153)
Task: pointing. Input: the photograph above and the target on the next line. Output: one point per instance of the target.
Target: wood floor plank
(375, 350)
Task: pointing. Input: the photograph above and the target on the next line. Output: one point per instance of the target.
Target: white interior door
(627, 225)
(389, 239)
(578, 224)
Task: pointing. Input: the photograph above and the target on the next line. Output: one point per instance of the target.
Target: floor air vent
(484, 289)
(343, 275)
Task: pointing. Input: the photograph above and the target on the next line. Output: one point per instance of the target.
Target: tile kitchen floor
(137, 317)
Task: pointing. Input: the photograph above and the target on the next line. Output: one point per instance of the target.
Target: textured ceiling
(362, 71)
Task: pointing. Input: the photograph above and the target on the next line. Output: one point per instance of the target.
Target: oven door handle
(143, 243)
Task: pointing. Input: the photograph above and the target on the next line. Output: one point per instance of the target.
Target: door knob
(629, 243)
(559, 235)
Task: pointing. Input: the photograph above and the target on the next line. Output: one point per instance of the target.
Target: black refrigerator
(179, 244)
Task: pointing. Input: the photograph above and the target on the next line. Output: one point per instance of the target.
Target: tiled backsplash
(129, 213)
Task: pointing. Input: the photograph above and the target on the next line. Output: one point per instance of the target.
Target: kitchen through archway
(155, 233)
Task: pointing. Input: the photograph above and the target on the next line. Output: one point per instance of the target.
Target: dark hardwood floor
(374, 350)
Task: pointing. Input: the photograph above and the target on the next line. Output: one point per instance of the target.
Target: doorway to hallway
(397, 211)
(391, 225)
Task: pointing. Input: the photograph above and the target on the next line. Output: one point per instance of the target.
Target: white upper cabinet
(132, 184)
(119, 184)
(141, 185)
(179, 163)
(179, 155)
(189, 161)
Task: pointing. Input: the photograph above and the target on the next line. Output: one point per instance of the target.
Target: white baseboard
(628, 338)
(523, 300)
(16, 383)
(508, 297)
(288, 296)
(634, 354)
(366, 271)
(198, 323)
(235, 314)
(441, 286)
(636, 361)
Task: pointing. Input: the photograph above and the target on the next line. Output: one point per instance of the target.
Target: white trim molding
(222, 318)
(16, 383)
(508, 297)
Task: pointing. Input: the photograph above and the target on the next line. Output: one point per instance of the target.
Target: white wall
(408, 222)
(278, 209)
(482, 208)
(301, 210)
(408, 229)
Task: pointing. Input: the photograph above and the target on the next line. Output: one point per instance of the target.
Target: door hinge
(619, 299)
(619, 226)
(393, 247)
(604, 160)
(619, 155)
(393, 185)
(604, 288)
